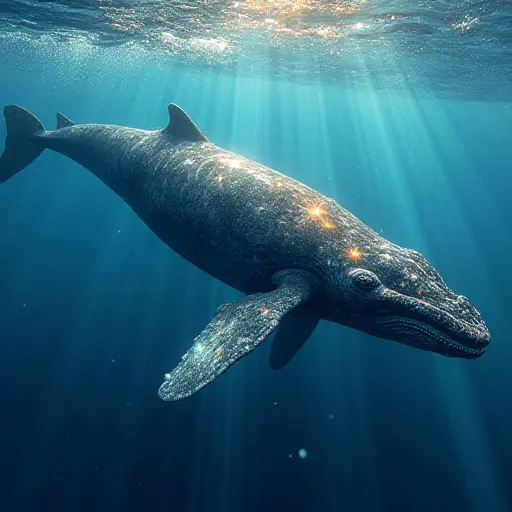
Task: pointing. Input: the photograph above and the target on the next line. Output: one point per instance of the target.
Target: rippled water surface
(461, 48)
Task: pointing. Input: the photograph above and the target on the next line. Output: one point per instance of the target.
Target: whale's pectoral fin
(293, 331)
(237, 329)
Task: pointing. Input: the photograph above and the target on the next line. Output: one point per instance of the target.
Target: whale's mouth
(427, 337)
(428, 327)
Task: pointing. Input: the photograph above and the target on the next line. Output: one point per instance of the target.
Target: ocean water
(400, 111)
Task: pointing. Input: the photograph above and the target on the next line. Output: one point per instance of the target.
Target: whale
(297, 256)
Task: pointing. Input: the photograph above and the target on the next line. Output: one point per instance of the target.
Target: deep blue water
(95, 309)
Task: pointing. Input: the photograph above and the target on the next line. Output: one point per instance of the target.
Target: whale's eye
(365, 280)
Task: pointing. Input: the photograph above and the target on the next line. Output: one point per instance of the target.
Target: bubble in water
(303, 453)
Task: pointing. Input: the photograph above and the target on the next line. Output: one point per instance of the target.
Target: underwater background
(400, 111)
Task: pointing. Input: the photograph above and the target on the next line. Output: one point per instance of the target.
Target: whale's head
(395, 293)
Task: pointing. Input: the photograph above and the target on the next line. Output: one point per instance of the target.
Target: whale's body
(299, 256)
(234, 218)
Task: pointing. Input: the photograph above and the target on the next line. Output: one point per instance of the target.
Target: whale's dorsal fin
(63, 121)
(182, 126)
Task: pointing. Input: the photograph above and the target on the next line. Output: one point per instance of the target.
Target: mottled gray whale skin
(298, 255)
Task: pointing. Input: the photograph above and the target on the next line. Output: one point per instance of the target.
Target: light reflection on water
(462, 47)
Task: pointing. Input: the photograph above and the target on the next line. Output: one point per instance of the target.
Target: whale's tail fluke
(21, 144)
